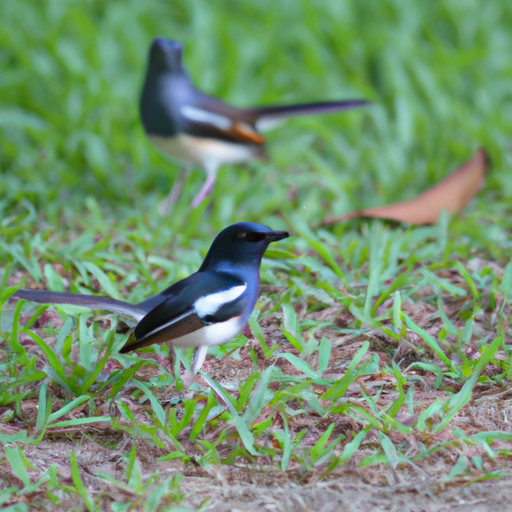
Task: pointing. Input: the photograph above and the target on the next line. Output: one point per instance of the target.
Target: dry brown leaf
(452, 194)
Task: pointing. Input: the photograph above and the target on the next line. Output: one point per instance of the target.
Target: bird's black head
(165, 55)
(240, 245)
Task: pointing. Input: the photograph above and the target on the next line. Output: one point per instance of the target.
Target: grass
(375, 346)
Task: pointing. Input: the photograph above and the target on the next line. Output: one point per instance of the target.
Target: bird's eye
(252, 236)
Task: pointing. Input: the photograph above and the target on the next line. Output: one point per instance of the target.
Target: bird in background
(208, 308)
(198, 129)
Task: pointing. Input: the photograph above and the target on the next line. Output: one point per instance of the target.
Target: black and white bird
(198, 129)
(208, 308)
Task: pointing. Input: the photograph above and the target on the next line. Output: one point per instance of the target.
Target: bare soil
(259, 485)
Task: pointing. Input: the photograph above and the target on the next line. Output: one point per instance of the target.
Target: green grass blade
(68, 408)
(461, 398)
(389, 450)
(243, 430)
(52, 360)
(80, 421)
(82, 491)
(431, 343)
(258, 400)
(15, 460)
(155, 404)
(339, 388)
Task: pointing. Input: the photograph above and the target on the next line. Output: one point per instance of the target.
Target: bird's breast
(201, 151)
(212, 335)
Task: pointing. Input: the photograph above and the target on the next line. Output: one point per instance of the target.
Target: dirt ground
(264, 488)
(420, 487)
(348, 494)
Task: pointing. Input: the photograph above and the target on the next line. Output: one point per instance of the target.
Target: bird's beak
(274, 236)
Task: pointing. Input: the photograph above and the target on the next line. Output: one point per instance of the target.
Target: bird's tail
(85, 301)
(266, 118)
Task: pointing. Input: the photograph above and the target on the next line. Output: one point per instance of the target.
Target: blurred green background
(80, 187)
(440, 75)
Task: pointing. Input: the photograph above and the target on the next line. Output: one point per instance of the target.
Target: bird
(198, 129)
(208, 308)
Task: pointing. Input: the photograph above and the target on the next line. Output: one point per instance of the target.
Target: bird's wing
(219, 121)
(85, 301)
(265, 118)
(199, 300)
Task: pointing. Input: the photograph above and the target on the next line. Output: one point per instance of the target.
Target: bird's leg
(197, 362)
(198, 358)
(172, 361)
(211, 168)
(205, 190)
(175, 192)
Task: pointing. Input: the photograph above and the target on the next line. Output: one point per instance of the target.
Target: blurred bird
(208, 308)
(195, 128)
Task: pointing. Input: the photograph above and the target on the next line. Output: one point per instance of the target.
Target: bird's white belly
(200, 151)
(211, 335)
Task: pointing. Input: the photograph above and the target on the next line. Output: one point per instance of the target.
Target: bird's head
(165, 55)
(240, 245)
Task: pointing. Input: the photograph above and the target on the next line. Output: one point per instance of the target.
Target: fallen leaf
(452, 194)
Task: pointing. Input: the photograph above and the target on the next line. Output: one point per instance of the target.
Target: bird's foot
(174, 194)
(204, 192)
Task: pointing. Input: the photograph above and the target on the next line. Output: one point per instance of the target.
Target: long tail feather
(86, 301)
(267, 117)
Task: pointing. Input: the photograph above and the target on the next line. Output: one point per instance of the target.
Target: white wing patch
(266, 123)
(203, 116)
(168, 324)
(209, 304)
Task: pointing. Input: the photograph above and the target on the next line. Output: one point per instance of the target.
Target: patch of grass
(374, 346)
